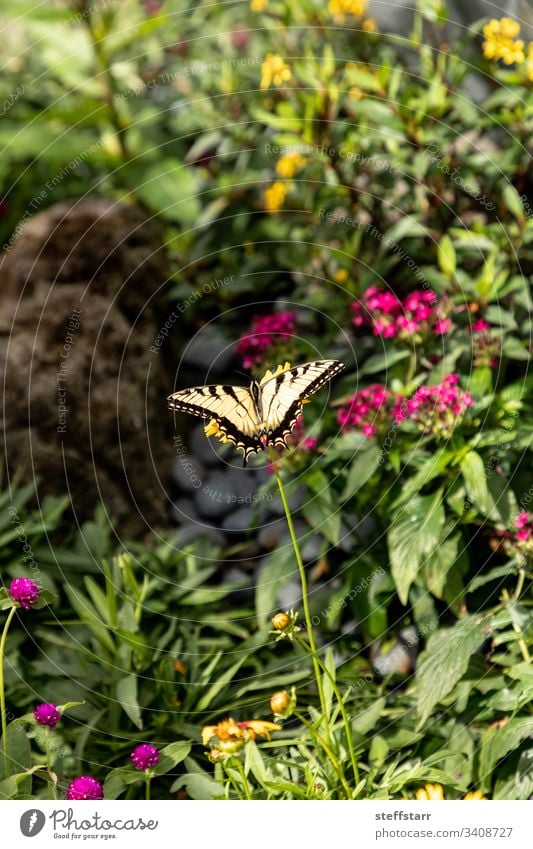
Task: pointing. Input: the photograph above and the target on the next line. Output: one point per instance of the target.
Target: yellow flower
(258, 5)
(500, 43)
(274, 196)
(340, 8)
(475, 795)
(369, 25)
(274, 70)
(341, 275)
(289, 164)
(355, 93)
(212, 429)
(268, 375)
(430, 793)
(229, 731)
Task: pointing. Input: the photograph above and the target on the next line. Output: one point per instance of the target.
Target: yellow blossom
(289, 164)
(212, 429)
(274, 196)
(340, 8)
(274, 70)
(268, 375)
(369, 25)
(475, 795)
(258, 5)
(355, 93)
(341, 275)
(229, 731)
(500, 41)
(430, 793)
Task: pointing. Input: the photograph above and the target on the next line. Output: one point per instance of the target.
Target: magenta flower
(388, 316)
(85, 787)
(25, 592)
(480, 325)
(144, 756)
(435, 409)
(267, 331)
(47, 714)
(522, 536)
(368, 410)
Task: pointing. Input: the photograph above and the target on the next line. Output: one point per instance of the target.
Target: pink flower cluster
(523, 535)
(367, 410)
(486, 346)
(267, 330)
(435, 409)
(388, 316)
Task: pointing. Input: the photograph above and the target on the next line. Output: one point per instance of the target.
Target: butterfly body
(261, 414)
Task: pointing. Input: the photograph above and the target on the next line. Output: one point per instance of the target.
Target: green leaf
(413, 534)
(220, 683)
(118, 779)
(473, 470)
(199, 786)
(379, 362)
(498, 742)
(447, 258)
(275, 572)
(172, 755)
(127, 696)
(171, 188)
(513, 201)
(445, 661)
(361, 469)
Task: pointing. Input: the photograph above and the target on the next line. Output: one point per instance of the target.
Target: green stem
(148, 780)
(329, 752)
(232, 782)
(240, 768)
(52, 786)
(342, 707)
(2, 687)
(109, 84)
(303, 581)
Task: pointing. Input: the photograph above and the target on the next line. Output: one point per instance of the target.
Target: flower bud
(281, 621)
(282, 703)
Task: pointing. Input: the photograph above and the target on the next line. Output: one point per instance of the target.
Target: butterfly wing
(232, 407)
(282, 396)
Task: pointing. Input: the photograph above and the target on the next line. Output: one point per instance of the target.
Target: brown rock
(84, 398)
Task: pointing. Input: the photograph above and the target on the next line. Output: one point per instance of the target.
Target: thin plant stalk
(2, 686)
(246, 786)
(328, 750)
(148, 780)
(342, 707)
(303, 581)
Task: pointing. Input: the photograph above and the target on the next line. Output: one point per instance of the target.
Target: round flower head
(85, 787)
(47, 714)
(144, 756)
(25, 592)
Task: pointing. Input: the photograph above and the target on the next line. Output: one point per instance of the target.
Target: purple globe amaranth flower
(144, 756)
(47, 714)
(85, 787)
(25, 592)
